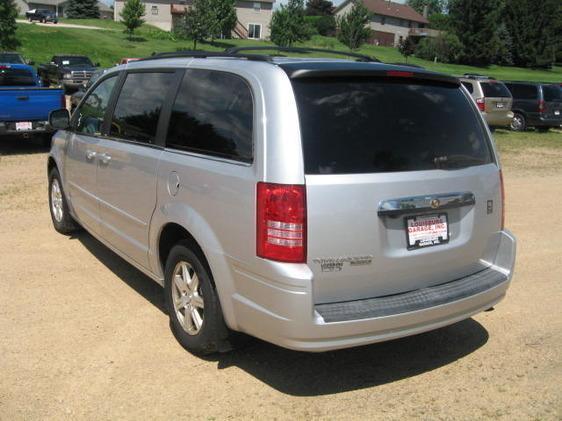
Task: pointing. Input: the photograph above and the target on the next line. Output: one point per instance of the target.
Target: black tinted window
(213, 115)
(11, 58)
(495, 90)
(372, 125)
(552, 93)
(16, 77)
(520, 91)
(92, 111)
(74, 61)
(468, 86)
(138, 108)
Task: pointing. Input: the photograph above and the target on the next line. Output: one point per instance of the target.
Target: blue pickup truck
(24, 104)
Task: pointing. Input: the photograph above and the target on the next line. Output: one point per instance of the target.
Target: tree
(82, 9)
(131, 16)
(433, 6)
(445, 48)
(439, 21)
(535, 29)
(197, 24)
(353, 30)
(476, 23)
(8, 26)
(407, 47)
(288, 25)
(224, 18)
(319, 8)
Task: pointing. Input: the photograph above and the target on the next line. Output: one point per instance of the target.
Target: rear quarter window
(468, 86)
(520, 91)
(495, 90)
(552, 93)
(367, 125)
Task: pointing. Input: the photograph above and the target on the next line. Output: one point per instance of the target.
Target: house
(58, 6)
(254, 17)
(391, 22)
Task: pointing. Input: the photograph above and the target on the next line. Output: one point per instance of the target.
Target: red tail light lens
(481, 104)
(503, 200)
(281, 222)
(399, 73)
(542, 106)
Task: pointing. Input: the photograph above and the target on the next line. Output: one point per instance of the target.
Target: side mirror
(59, 119)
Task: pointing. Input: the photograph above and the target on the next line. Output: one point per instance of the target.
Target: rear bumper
(499, 119)
(286, 316)
(38, 127)
(549, 122)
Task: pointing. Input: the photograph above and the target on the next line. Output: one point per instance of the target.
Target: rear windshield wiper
(457, 161)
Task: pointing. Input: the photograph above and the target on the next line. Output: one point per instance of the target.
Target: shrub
(322, 25)
(445, 48)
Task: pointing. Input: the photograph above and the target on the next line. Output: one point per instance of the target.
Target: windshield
(495, 90)
(552, 93)
(368, 125)
(16, 77)
(75, 61)
(11, 58)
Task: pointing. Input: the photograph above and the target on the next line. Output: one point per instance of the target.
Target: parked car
(42, 15)
(492, 98)
(536, 105)
(77, 96)
(286, 199)
(24, 104)
(68, 71)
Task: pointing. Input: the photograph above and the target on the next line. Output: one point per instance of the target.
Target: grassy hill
(109, 45)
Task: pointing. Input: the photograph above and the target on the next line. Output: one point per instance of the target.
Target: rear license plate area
(24, 125)
(426, 230)
(499, 105)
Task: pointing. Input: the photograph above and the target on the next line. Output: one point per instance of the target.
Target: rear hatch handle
(426, 203)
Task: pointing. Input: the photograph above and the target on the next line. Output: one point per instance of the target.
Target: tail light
(481, 104)
(503, 200)
(281, 222)
(399, 73)
(63, 101)
(542, 106)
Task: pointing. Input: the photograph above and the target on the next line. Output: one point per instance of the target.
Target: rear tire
(519, 123)
(192, 303)
(60, 215)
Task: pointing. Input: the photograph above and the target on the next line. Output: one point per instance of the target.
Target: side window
(213, 115)
(138, 108)
(92, 111)
(468, 86)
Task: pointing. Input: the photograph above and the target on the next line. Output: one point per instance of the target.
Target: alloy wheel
(56, 200)
(188, 298)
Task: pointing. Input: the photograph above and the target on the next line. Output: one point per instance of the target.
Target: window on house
(257, 6)
(383, 20)
(254, 30)
(154, 10)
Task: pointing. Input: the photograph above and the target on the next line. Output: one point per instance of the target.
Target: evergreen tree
(319, 8)
(535, 30)
(224, 17)
(8, 26)
(433, 6)
(131, 16)
(476, 23)
(288, 25)
(407, 47)
(353, 30)
(197, 24)
(82, 9)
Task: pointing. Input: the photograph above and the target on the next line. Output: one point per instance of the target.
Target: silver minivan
(313, 203)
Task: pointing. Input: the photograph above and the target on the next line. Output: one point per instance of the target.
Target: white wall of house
(157, 13)
(251, 14)
(22, 7)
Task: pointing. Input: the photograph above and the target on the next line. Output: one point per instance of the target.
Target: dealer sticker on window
(426, 230)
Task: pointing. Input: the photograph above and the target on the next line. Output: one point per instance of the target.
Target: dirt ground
(84, 335)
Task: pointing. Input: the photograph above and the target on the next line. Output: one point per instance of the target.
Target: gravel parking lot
(84, 335)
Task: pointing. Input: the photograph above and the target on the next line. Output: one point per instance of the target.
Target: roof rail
(205, 54)
(302, 50)
(477, 76)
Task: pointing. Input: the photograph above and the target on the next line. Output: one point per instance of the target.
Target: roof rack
(302, 50)
(477, 76)
(408, 65)
(205, 54)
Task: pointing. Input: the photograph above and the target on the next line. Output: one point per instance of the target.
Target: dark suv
(42, 15)
(536, 105)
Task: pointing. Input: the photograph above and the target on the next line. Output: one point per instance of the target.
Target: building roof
(389, 8)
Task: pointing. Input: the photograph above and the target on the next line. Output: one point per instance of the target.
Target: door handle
(90, 155)
(432, 202)
(105, 158)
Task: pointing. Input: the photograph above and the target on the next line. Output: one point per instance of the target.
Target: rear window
(523, 91)
(552, 93)
(495, 90)
(16, 77)
(373, 125)
(11, 58)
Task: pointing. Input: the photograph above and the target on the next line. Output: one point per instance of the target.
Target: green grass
(508, 141)
(109, 45)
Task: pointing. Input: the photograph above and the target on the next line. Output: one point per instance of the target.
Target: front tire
(60, 215)
(519, 123)
(192, 303)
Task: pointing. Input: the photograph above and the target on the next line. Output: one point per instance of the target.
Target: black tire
(212, 335)
(64, 224)
(519, 123)
(542, 129)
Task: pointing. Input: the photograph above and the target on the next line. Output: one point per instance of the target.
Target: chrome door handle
(105, 158)
(90, 155)
(432, 202)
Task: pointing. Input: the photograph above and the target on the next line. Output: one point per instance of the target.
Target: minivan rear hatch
(402, 187)
(497, 98)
